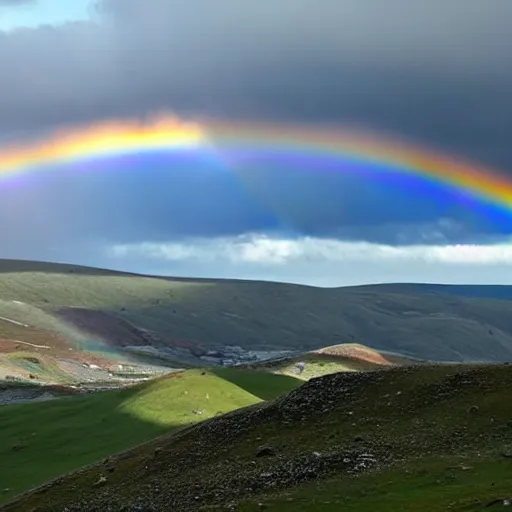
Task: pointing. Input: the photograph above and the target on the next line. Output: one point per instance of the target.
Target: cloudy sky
(436, 72)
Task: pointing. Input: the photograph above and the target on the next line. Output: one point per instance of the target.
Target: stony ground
(340, 426)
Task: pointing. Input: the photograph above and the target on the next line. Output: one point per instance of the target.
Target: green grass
(437, 434)
(40, 441)
(439, 485)
(317, 365)
(38, 365)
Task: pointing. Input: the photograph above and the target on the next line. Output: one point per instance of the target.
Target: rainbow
(121, 137)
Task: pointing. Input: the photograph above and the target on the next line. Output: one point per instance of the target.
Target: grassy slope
(317, 365)
(43, 440)
(432, 486)
(483, 291)
(427, 448)
(350, 357)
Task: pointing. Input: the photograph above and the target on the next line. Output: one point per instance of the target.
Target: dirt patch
(105, 326)
(357, 353)
(14, 337)
(119, 332)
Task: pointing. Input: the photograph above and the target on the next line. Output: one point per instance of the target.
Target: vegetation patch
(59, 436)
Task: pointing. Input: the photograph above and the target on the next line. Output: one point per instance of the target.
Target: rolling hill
(349, 357)
(419, 438)
(41, 441)
(476, 291)
(177, 322)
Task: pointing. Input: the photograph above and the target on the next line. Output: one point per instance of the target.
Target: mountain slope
(419, 438)
(476, 291)
(89, 307)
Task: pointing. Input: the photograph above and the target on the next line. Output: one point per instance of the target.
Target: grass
(437, 485)
(42, 367)
(436, 436)
(317, 365)
(41, 441)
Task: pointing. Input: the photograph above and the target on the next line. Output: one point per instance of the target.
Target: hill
(40, 441)
(420, 438)
(349, 357)
(121, 317)
(478, 291)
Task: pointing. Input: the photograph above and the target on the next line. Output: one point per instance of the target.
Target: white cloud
(318, 261)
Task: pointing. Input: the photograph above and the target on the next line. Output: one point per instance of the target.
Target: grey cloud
(437, 71)
(434, 70)
(317, 261)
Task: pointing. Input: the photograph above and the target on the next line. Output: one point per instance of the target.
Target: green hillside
(40, 441)
(419, 438)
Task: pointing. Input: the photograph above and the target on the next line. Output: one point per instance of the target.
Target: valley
(150, 392)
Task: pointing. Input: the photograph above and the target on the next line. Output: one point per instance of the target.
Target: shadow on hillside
(251, 382)
(42, 441)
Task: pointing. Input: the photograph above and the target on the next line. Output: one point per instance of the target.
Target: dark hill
(417, 438)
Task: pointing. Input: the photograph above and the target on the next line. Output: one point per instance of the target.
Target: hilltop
(98, 318)
(417, 438)
(349, 357)
(481, 291)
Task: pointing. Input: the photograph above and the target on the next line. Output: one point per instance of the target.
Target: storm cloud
(437, 72)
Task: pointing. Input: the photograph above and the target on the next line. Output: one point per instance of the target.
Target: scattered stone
(141, 507)
(101, 481)
(266, 451)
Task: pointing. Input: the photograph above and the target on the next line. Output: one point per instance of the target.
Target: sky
(26, 13)
(436, 73)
